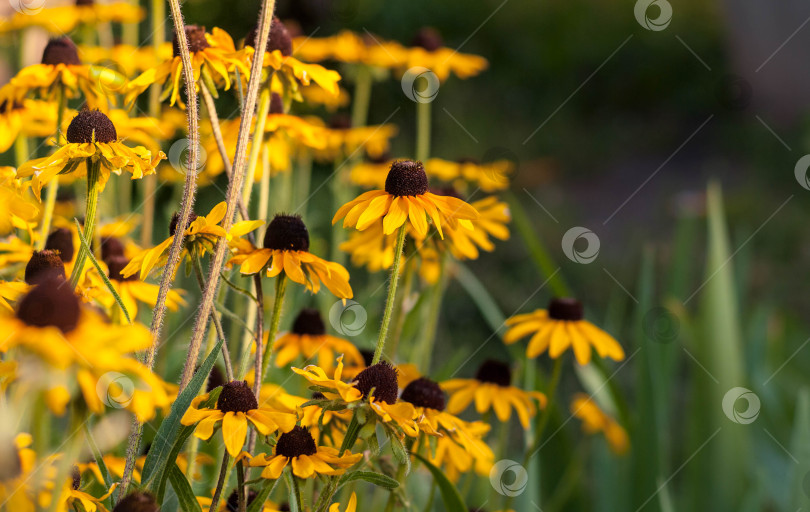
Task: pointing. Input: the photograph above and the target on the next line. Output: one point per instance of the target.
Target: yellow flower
(406, 197)
(314, 95)
(351, 48)
(73, 498)
(212, 58)
(559, 327)
(286, 248)
(16, 491)
(380, 386)
(492, 220)
(26, 118)
(350, 507)
(334, 388)
(127, 59)
(16, 211)
(309, 339)
(428, 51)
(595, 420)
(79, 348)
(344, 141)
(62, 69)
(64, 18)
(491, 390)
(489, 176)
(91, 137)
(235, 407)
(460, 453)
(11, 291)
(298, 449)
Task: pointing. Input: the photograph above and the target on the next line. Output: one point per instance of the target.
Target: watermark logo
(508, 478)
(500, 165)
(734, 92)
(349, 318)
(27, 6)
(800, 171)
(115, 390)
(730, 400)
(643, 9)
(420, 84)
(179, 154)
(108, 79)
(661, 325)
(580, 255)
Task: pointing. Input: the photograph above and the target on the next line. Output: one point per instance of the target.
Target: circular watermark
(349, 318)
(730, 400)
(800, 171)
(643, 9)
(115, 390)
(580, 255)
(179, 155)
(27, 6)
(420, 84)
(661, 325)
(108, 79)
(500, 164)
(508, 478)
(734, 92)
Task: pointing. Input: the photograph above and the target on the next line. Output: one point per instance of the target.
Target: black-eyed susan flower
(92, 145)
(17, 211)
(72, 496)
(351, 48)
(560, 327)
(406, 198)
(492, 390)
(332, 388)
(10, 291)
(308, 339)
(342, 140)
(127, 59)
(351, 506)
(236, 406)
(297, 448)
(16, 487)
(26, 118)
(428, 50)
(286, 249)
(595, 420)
(213, 59)
(137, 501)
(43, 266)
(380, 387)
(61, 19)
(488, 176)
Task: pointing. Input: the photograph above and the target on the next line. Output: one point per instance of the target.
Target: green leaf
(99, 458)
(377, 479)
(400, 453)
(101, 271)
(450, 495)
(188, 502)
(170, 429)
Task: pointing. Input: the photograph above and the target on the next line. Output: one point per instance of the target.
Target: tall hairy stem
(189, 190)
(234, 188)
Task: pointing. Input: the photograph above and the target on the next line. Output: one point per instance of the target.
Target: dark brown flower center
(287, 233)
(278, 39)
(340, 122)
(428, 38)
(317, 395)
(115, 264)
(565, 309)
(296, 442)
(233, 500)
(236, 396)
(424, 392)
(494, 372)
(61, 241)
(8, 452)
(195, 37)
(91, 126)
(382, 378)
(215, 379)
(43, 266)
(406, 178)
(50, 303)
(110, 247)
(176, 218)
(61, 50)
(85, 2)
(276, 104)
(76, 476)
(137, 502)
(309, 322)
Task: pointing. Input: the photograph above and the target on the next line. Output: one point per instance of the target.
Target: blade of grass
(101, 273)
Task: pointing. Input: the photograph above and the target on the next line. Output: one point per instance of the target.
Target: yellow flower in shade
(19, 462)
(314, 95)
(342, 140)
(308, 339)
(350, 507)
(346, 46)
(64, 18)
(61, 345)
(10, 291)
(212, 57)
(458, 454)
(406, 198)
(488, 176)
(379, 385)
(298, 449)
(492, 220)
(333, 388)
(61, 69)
(278, 58)
(595, 420)
(73, 498)
(91, 137)
(560, 327)
(492, 390)
(286, 249)
(26, 118)
(236, 407)
(16, 211)
(428, 51)
(127, 59)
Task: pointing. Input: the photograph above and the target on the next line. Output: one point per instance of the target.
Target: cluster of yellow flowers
(75, 350)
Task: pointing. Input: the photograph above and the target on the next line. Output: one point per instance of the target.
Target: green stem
(362, 96)
(53, 186)
(296, 489)
(258, 142)
(226, 356)
(21, 150)
(399, 305)
(240, 487)
(93, 174)
(392, 292)
(223, 471)
(431, 497)
(424, 350)
(423, 131)
(281, 287)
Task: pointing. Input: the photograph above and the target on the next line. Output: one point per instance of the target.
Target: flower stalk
(281, 288)
(53, 186)
(93, 174)
(392, 293)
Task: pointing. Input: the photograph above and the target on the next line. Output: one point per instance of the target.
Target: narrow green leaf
(102, 466)
(169, 429)
(258, 503)
(450, 495)
(377, 479)
(188, 502)
(400, 453)
(101, 271)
